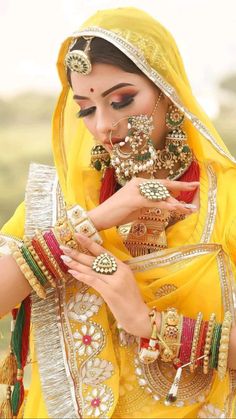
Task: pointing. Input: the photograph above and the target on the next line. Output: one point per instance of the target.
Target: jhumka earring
(176, 157)
(100, 158)
(78, 60)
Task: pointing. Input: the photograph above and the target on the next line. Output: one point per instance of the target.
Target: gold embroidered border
(212, 209)
(43, 206)
(136, 55)
(169, 256)
(229, 300)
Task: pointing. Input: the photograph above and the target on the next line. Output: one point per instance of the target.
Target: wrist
(142, 325)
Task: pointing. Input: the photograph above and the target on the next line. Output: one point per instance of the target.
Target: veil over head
(152, 48)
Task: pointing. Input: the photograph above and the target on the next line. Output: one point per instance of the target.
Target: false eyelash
(126, 102)
(85, 112)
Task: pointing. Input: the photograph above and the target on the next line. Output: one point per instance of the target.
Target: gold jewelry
(149, 354)
(82, 224)
(25, 269)
(136, 154)
(196, 333)
(176, 156)
(154, 190)
(224, 345)
(64, 233)
(78, 60)
(47, 274)
(207, 347)
(100, 158)
(171, 328)
(104, 264)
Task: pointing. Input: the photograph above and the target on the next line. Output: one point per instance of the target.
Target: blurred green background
(25, 136)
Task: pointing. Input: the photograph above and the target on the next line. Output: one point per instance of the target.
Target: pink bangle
(55, 249)
(186, 340)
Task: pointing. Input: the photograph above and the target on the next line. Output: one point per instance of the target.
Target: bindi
(91, 90)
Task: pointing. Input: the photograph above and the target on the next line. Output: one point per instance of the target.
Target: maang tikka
(79, 60)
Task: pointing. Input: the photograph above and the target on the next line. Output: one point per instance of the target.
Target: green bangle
(215, 346)
(33, 265)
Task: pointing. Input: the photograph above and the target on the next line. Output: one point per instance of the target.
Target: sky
(31, 32)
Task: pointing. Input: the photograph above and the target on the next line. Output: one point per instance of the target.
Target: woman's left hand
(119, 290)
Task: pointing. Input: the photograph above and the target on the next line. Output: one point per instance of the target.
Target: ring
(154, 191)
(104, 264)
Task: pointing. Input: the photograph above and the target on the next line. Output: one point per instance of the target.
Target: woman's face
(108, 94)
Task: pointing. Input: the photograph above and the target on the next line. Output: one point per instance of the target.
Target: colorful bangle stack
(40, 259)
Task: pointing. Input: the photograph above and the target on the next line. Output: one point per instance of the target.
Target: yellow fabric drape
(197, 280)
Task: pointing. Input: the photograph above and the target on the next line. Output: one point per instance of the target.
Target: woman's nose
(105, 124)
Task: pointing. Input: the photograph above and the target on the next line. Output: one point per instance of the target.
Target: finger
(76, 266)
(94, 248)
(98, 284)
(71, 254)
(178, 186)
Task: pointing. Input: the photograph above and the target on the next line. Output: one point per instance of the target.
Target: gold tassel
(8, 369)
(5, 408)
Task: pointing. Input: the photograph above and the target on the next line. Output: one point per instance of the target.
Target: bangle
(201, 342)
(44, 258)
(33, 265)
(186, 339)
(53, 245)
(224, 345)
(63, 232)
(82, 224)
(215, 345)
(171, 329)
(25, 269)
(149, 348)
(197, 329)
(208, 341)
(56, 268)
(40, 263)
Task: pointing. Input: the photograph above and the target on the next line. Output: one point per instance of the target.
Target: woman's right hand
(127, 204)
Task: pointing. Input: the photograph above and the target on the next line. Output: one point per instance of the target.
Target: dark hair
(102, 51)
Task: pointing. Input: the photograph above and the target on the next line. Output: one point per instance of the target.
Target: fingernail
(66, 249)
(66, 259)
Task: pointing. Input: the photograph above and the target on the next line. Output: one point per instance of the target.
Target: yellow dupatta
(194, 274)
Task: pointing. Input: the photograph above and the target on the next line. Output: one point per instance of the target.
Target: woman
(177, 239)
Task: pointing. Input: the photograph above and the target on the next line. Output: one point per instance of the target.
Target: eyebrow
(117, 86)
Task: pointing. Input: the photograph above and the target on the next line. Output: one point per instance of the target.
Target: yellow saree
(98, 377)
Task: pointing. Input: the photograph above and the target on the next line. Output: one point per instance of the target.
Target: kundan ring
(104, 264)
(154, 190)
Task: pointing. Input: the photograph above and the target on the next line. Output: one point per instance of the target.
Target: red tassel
(191, 175)
(109, 185)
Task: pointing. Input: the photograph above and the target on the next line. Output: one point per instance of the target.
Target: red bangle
(145, 343)
(43, 257)
(201, 342)
(54, 248)
(186, 340)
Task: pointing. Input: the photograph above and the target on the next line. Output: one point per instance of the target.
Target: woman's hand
(119, 290)
(127, 204)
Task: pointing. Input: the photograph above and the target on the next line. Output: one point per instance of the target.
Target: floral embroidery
(98, 402)
(88, 340)
(83, 306)
(96, 371)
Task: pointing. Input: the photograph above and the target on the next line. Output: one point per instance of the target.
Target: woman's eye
(123, 103)
(85, 112)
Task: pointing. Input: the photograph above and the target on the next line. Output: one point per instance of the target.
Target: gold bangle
(207, 347)
(82, 224)
(171, 328)
(28, 274)
(37, 259)
(48, 253)
(195, 341)
(224, 345)
(64, 233)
